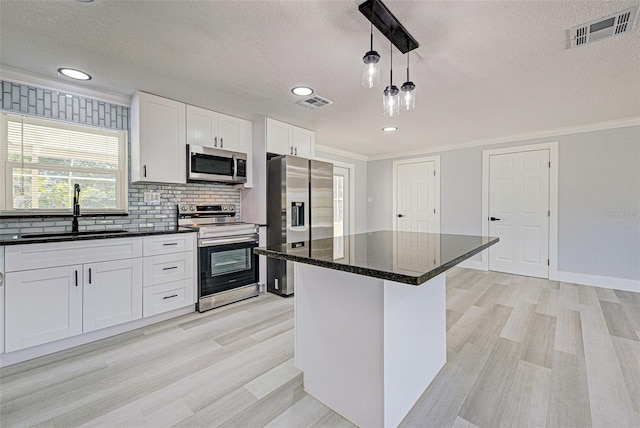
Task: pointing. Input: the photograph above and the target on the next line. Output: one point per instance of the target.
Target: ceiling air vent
(314, 102)
(618, 23)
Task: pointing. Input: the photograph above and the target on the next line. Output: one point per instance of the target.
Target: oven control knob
(231, 208)
(225, 208)
(183, 208)
(192, 207)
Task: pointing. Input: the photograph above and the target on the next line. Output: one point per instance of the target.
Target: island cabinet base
(368, 347)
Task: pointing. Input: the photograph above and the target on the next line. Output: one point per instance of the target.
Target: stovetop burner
(208, 216)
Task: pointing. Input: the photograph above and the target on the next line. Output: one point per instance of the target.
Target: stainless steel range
(227, 267)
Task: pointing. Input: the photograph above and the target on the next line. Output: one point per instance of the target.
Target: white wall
(598, 199)
(360, 193)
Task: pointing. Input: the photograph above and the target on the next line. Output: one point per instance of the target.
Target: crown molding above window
(27, 78)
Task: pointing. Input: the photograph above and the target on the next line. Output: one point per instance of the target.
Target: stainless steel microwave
(221, 166)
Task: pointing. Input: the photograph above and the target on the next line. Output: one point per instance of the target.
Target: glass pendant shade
(391, 101)
(408, 96)
(371, 70)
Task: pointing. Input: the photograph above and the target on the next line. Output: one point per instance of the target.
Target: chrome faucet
(76, 208)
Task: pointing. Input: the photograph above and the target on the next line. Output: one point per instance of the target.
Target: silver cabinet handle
(89, 275)
(169, 297)
(169, 268)
(76, 278)
(221, 142)
(170, 243)
(215, 141)
(296, 151)
(291, 149)
(145, 170)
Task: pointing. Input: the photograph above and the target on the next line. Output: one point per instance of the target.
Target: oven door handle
(220, 241)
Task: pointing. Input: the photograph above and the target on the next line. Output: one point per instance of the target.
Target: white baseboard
(71, 342)
(599, 281)
(473, 264)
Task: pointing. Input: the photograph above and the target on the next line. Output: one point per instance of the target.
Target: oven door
(227, 266)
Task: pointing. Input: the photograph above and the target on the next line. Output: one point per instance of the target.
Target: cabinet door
(303, 142)
(279, 137)
(112, 293)
(42, 305)
(202, 127)
(161, 140)
(230, 133)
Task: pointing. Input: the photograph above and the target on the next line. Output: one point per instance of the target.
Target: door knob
(494, 219)
(400, 215)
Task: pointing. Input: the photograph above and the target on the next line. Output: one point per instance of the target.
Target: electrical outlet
(151, 197)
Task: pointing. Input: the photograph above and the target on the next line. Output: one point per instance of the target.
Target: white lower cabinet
(169, 267)
(57, 290)
(42, 305)
(70, 288)
(166, 297)
(112, 293)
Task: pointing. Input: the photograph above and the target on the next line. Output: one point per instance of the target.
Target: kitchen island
(370, 321)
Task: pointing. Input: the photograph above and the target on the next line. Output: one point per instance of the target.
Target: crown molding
(340, 152)
(589, 127)
(56, 84)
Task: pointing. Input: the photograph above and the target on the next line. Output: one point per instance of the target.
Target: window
(41, 160)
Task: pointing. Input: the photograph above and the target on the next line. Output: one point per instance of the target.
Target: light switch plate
(150, 197)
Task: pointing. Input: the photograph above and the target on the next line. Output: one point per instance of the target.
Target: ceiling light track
(380, 16)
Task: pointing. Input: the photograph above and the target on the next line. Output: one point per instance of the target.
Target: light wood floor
(521, 352)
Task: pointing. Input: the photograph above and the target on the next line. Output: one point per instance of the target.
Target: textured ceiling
(484, 69)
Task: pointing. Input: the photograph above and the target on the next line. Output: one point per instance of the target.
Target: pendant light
(390, 97)
(371, 71)
(408, 97)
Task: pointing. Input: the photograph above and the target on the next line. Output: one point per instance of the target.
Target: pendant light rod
(380, 16)
(407, 68)
(371, 38)
(391, 66)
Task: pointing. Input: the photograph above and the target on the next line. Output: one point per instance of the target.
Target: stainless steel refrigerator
(299, 209)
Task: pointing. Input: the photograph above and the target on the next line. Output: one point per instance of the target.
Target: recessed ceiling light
(303, 91)
(74, 74)
(390, 128)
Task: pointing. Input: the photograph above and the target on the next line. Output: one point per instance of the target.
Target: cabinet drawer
(167, 268)
(167, 244)
(52, 254)
(166, 297)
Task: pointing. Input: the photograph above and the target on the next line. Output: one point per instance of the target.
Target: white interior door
(341, 199)
(417, 197)
(519, 212)
(341, 211)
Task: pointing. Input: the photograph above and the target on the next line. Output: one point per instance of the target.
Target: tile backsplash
(18, 98)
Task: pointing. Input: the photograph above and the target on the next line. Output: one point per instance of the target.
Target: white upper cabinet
(202, 127)
(232, 132)
(158, 139)
(304, 142)
(216, 130)
(285, 139)
(279, 137)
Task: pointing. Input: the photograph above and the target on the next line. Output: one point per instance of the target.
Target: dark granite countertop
(40, 238)
(406, 257)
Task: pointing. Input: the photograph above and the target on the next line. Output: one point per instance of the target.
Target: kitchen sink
(65, 234)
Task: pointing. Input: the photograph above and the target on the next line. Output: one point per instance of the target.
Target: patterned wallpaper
(33, 101)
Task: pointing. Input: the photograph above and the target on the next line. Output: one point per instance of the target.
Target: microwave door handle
(234, 168)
